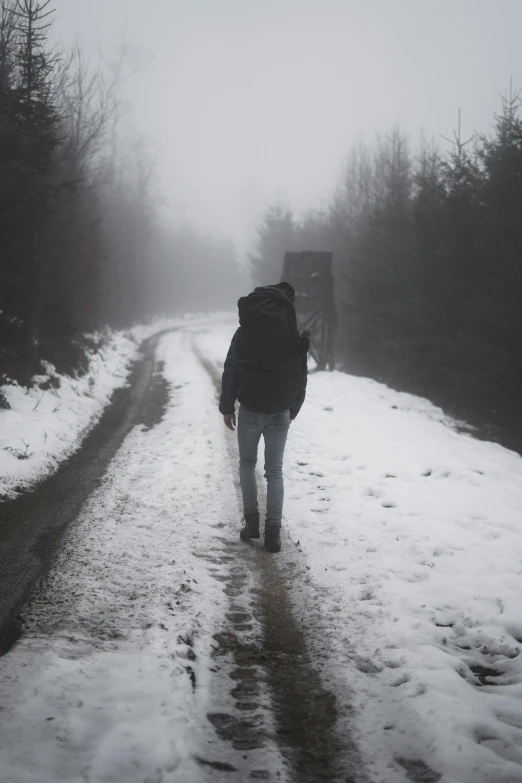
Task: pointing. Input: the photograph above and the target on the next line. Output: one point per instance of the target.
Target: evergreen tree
(428, 267)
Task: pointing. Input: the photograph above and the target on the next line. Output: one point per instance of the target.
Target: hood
(271, 302)
(286, 289)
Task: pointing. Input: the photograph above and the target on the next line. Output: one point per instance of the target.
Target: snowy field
(412, 536)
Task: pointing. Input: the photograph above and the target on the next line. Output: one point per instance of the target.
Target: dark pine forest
(428, 267)
(427, 242)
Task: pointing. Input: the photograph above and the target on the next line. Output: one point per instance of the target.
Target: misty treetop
(428, 266)
(85, 240)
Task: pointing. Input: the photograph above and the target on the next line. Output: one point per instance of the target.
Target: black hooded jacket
(266, 365)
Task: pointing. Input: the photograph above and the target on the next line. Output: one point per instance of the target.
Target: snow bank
(411, 536)
(415, 531)
(42, 428)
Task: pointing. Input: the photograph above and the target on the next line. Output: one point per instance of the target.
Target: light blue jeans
(274, 428)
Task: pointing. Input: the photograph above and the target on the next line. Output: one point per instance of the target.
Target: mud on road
(32, 525)
(272, 702)
(303, 711)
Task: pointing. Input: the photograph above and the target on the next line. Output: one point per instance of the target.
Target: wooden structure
(310, 273)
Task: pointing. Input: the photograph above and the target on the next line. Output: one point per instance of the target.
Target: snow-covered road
(112, 678)
(150, 655)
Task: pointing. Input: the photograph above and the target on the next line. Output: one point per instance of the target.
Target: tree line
(428, 266)
(84, 239)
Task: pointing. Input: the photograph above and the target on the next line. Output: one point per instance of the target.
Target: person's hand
(230, 420)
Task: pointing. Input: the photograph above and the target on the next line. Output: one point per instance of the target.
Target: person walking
(266, 371)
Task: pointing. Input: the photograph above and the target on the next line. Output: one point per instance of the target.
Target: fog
(181, 148)
(246, 101)
(158, 159)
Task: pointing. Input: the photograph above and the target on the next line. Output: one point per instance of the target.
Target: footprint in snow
(393, 664)
(490, 535)
(371, 492)
(499, 742)
(417, 576)
(510, 719)
(366, 666)
(402, 680)
(418, 771)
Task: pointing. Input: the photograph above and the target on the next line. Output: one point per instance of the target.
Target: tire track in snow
(268, 703)
(116, 653)
(304, 712)
(33, 525)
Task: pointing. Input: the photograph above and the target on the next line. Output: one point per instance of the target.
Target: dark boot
(272, 538)
(250, 527)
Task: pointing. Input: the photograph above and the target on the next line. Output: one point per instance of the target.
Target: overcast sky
(249, 100)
